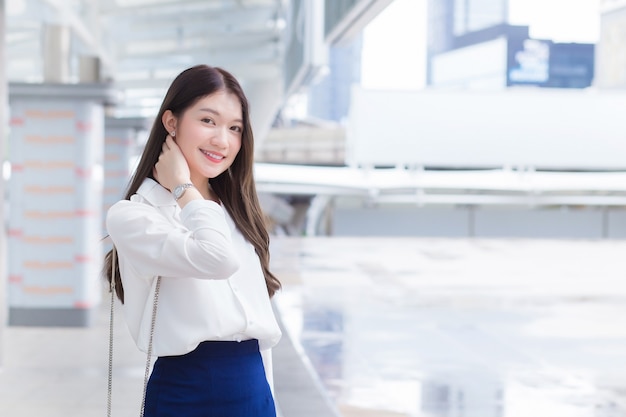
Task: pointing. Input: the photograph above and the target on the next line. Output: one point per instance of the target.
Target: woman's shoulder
(134, 216)
(125, 211)
(126, 205)
(148, 198)
(149, 193)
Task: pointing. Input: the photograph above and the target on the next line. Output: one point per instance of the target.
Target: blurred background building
(471, 44)
(611, 50)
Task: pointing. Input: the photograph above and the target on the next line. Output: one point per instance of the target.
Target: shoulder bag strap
(111, 317)
(149, 353)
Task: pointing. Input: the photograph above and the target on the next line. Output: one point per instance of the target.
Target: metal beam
(242, 43)
(146, 80)
(447, 187)
(224, 57)
(147, 31)
(346, 18)
(173, 9)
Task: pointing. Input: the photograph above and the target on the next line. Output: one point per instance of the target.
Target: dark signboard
(543, 63)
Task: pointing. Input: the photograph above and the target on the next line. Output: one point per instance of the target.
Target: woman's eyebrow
(215, 112)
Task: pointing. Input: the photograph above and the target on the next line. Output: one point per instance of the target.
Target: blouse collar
(155, 193)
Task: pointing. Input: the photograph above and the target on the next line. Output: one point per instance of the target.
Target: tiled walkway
(62, 372)
(460, 327)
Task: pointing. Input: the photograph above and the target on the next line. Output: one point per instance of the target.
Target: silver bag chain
(149, 353)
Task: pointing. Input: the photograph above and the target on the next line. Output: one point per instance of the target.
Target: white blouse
(212, 285)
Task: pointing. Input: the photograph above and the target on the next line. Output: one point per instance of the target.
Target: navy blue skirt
(217, 379)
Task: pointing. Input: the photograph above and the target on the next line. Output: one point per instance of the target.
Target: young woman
(191, 216)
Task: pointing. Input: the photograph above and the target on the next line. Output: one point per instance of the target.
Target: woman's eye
(206, 120)
(236, 129)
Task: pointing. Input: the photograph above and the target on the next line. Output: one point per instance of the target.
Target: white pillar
(3, 130)
(89, 69)
(54, 228)
(265, 98)
(56, 53)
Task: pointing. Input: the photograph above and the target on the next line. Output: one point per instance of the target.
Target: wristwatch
(179, 190)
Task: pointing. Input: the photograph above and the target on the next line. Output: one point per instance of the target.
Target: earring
(173, 133)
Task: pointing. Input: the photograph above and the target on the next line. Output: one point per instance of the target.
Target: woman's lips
(212, 156)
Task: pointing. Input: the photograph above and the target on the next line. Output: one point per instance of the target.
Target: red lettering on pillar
(83, 172)
(82, 259)
(16, 279)
(17, 233)
(16, 121)
(83, 126)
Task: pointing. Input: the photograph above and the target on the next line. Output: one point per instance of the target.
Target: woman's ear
(169, 121)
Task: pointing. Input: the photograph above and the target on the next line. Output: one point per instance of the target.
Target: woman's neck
(203, 186)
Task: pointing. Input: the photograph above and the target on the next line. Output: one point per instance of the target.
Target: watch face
(178, 191)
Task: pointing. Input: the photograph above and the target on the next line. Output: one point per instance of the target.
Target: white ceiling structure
(141, 45)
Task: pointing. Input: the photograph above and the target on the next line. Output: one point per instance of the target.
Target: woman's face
(209, 134)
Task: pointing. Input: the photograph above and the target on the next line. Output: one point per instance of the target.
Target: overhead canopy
(274, 47)
(141, 45)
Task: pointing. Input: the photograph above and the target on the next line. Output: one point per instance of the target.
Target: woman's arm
(155, 246)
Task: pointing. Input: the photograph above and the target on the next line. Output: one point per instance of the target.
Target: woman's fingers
(171, 168)
(171, 143)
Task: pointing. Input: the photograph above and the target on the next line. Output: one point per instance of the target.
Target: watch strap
(179, 190)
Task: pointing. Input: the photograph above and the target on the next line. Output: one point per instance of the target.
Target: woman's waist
(221, 348)
(171, 339)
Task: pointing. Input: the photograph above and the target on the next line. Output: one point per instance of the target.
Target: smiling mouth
(212, 155)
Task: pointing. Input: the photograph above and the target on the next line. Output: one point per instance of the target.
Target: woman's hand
(171, 169)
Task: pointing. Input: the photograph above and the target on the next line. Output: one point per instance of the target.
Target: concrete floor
(62, 372)
(460, 327)
(390, 328)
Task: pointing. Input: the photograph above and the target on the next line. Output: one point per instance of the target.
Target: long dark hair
(235, 187)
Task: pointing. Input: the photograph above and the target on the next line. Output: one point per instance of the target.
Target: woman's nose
(220, 137)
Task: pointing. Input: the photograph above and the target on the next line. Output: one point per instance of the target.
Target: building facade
(329, 99)
(610, 55)
(471, 45)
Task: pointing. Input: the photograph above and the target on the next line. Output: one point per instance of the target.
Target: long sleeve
(212, 285)
(200, 248)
